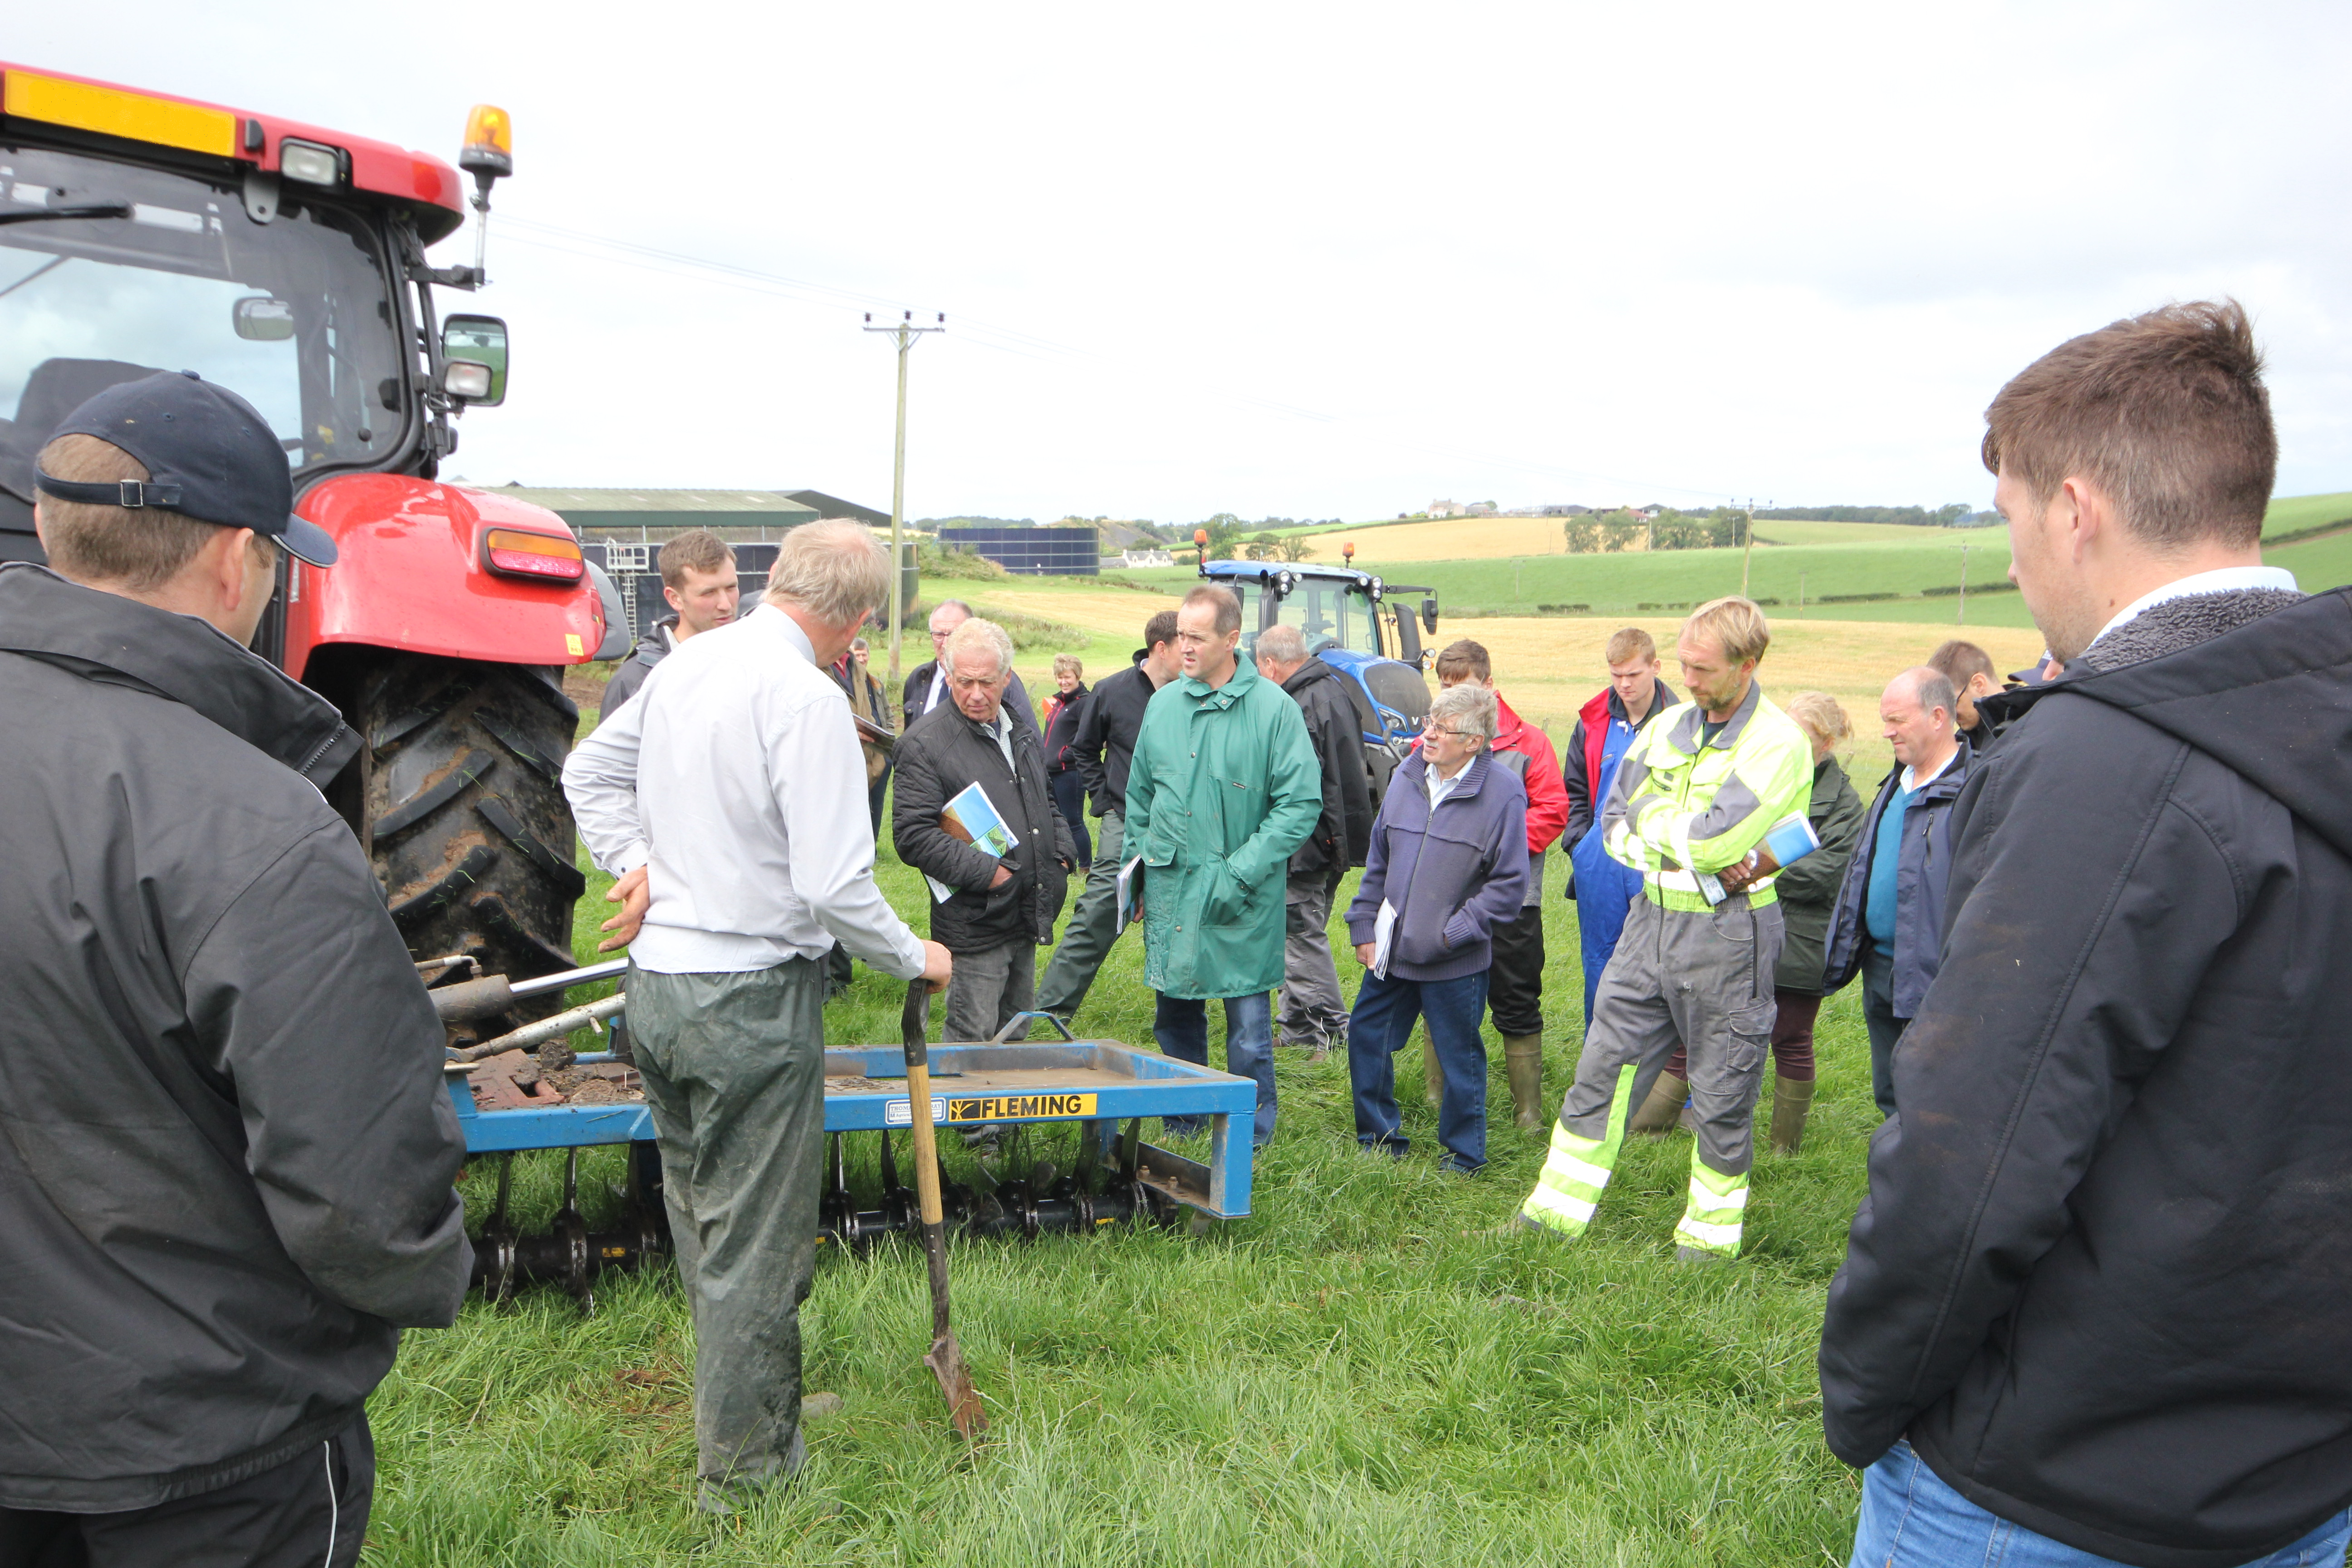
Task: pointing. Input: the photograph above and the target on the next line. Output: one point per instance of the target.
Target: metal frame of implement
(1100, 1083)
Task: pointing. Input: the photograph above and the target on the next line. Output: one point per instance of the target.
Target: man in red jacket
(1515, 983)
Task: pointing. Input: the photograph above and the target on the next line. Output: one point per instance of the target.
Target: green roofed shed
(648, 514)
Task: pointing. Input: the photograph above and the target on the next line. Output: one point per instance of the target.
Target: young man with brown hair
(1604, 730)
(1224, 789)
(226, 1165)
(1514, 979)
(1970, 671)
(699, 580)
(2093, 1306)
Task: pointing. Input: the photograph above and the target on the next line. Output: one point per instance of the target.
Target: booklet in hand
(1790, 840)
(1130, 894)
(972, 818)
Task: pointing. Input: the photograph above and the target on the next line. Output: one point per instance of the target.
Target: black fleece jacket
(226, 1152)
(1106, 732)
(2101, 1276)
(1343, 834)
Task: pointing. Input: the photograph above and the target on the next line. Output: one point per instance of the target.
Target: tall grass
(1360, 1372)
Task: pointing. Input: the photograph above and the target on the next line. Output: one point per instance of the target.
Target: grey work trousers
(1092, 928)
(1314, 1014)
(1878, 1017)
(1700, 981)
(734, 1073)
(987, 988)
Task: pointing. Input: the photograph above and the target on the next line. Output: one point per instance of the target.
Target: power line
(1011, 341)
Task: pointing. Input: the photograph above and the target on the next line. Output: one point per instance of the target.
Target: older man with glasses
(1448, 865)
(928, 687)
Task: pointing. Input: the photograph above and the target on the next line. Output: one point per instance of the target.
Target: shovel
(946, 1357)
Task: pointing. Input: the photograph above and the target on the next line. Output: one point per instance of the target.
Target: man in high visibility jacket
(1698, 790)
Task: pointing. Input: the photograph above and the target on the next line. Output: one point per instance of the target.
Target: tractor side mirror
(259, 319)
(473, 356)
(1429, 615)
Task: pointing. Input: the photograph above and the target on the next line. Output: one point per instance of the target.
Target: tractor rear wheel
(462, 811)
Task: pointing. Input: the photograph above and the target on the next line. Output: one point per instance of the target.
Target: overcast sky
(1333, 260)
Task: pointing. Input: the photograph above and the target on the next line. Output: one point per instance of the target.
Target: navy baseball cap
(208, 454)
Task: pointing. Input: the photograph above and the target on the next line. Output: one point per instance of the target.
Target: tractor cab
(141, 233)
(1355, 623)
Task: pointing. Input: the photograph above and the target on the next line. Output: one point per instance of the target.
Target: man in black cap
(226, 1155)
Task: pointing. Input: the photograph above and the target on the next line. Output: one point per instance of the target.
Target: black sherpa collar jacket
(2102, 1278)
(226, 1152)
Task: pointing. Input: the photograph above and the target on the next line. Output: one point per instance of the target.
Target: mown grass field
(1358, 1372)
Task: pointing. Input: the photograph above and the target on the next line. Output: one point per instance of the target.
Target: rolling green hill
(2292, 515)
(1840, 571)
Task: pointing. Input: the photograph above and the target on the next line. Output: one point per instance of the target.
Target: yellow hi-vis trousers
(1703, 980)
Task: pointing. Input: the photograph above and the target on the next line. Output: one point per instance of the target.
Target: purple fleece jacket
(1452, 880)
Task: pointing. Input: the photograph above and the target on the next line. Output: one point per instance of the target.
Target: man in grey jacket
(1313, 1013)
(226, 1160)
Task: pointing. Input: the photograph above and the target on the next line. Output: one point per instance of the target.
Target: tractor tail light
(541, 555)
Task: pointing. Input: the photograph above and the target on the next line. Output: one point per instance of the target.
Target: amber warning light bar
(515, 553)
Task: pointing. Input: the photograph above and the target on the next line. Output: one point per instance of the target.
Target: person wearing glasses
(927, 688)
(1447, 867)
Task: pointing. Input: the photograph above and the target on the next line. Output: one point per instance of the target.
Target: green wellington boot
(1657, 1113)
(1792, 1098)
(1523, 1062)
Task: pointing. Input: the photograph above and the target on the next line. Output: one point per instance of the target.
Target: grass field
(1358, 1372)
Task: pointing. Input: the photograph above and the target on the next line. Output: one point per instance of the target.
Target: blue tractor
(1355, 623)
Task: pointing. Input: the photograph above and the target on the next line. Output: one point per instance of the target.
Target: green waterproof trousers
(1703, 980)
(1089, 934)
(734, 1073)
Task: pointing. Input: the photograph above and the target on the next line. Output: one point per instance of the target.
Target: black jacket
(941, 753)
(1106, 732)
(651, 649)
(1063, 733)
(918, 690)
(226, 1152)
(2101, 1276)
(1343, 834)
(1922, 876)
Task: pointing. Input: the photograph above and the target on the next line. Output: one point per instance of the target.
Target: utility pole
(1962, 618)
(908, 335)
(1748, 540)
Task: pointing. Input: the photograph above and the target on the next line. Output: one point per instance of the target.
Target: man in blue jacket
(1889, 923)
(1448, 864)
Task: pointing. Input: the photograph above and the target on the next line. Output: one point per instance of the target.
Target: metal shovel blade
(946, 1357)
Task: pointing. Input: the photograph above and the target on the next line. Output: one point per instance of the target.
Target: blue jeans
(1181, 1025)
(1380, 1026)
(1910, 1519)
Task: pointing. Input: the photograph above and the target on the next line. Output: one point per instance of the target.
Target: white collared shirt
(1912, 781)
(735, 775)
(2223, 580)
(1440, 788)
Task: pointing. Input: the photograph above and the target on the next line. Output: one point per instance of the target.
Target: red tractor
(141, 232)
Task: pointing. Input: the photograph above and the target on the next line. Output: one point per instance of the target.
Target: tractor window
(294, 315)
(1329, 614)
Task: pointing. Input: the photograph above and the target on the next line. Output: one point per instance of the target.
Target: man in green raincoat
(1225, 786)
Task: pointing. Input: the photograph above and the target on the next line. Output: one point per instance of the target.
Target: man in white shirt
(727, 799)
